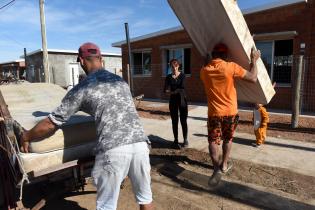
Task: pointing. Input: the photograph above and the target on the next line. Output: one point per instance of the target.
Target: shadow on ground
(158, 142)
(170, 153)
(155, 112)
(55, 195)
(230, 190)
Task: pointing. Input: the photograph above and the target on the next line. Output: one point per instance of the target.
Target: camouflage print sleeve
(70, 104)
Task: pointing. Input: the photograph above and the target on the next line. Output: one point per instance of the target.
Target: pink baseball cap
(88, 49)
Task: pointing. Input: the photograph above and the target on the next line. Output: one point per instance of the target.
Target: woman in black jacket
(174, 84)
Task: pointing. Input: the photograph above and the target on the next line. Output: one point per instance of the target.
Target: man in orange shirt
(218, 78)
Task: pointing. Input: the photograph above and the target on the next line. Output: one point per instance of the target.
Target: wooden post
(7, 168)
(130, 71)
(297, 95)
(26, 65)
(128, 74)
(53, 75)
(44, 41)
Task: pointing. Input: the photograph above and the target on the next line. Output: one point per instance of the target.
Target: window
(141, 63)
(182, 55)
(283, 61)
(278, 59)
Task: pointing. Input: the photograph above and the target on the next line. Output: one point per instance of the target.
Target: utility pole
(44, 43)
(297, 96)
(26, 65)
(129, 66)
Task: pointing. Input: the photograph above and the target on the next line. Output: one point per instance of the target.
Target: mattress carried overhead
(31, 102)
(209, 22)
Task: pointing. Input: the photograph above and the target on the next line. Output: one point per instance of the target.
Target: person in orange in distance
(218, 77)
(260, 120)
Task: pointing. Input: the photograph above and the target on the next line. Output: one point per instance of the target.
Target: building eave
(150, 35)
(281, 35)
(14, 61)
(61, 51)
(273, 5)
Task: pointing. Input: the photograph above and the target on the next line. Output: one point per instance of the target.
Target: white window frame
(272, 62)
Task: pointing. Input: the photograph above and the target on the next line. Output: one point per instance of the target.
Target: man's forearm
(253, 69)
(44, 128)
(251, 75)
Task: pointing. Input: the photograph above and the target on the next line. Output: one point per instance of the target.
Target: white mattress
(39, 161)
(29, 103)
(212, 21)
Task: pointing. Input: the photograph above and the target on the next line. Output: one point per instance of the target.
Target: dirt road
(168, 195)
(179, 177)
(179, 182)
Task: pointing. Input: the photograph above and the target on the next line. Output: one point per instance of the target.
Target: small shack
(64, 70)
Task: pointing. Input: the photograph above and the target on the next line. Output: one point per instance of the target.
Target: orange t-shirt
(218, 79)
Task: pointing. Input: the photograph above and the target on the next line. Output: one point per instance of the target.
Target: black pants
(175, 105)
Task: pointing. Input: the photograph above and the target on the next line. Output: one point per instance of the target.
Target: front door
(73, 74)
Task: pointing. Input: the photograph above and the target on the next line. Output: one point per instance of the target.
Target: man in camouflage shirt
(122, 148)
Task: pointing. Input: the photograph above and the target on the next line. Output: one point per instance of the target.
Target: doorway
(72, 75)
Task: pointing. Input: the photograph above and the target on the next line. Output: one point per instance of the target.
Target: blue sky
(71, 22)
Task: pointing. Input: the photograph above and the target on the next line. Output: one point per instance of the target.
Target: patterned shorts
(221, 128)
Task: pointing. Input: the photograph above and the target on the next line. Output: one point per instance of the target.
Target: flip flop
(228, 168)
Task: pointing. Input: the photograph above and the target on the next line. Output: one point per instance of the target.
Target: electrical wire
(7, 4)
(10, 38)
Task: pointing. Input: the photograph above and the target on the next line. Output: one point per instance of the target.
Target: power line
(7, 4)
(14, 40)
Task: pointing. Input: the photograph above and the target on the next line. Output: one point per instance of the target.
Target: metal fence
(307, 91)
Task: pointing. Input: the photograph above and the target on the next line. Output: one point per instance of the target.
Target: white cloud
(146, 3)
(27, 13)
(8, 43)
(144, 23)
(68, 26)
(85, 21)
(22, 12)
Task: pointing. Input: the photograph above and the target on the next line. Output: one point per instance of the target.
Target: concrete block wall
(58, 67)
(113, 64)
(59, 64)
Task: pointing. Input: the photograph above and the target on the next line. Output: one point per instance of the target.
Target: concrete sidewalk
(293, 155)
